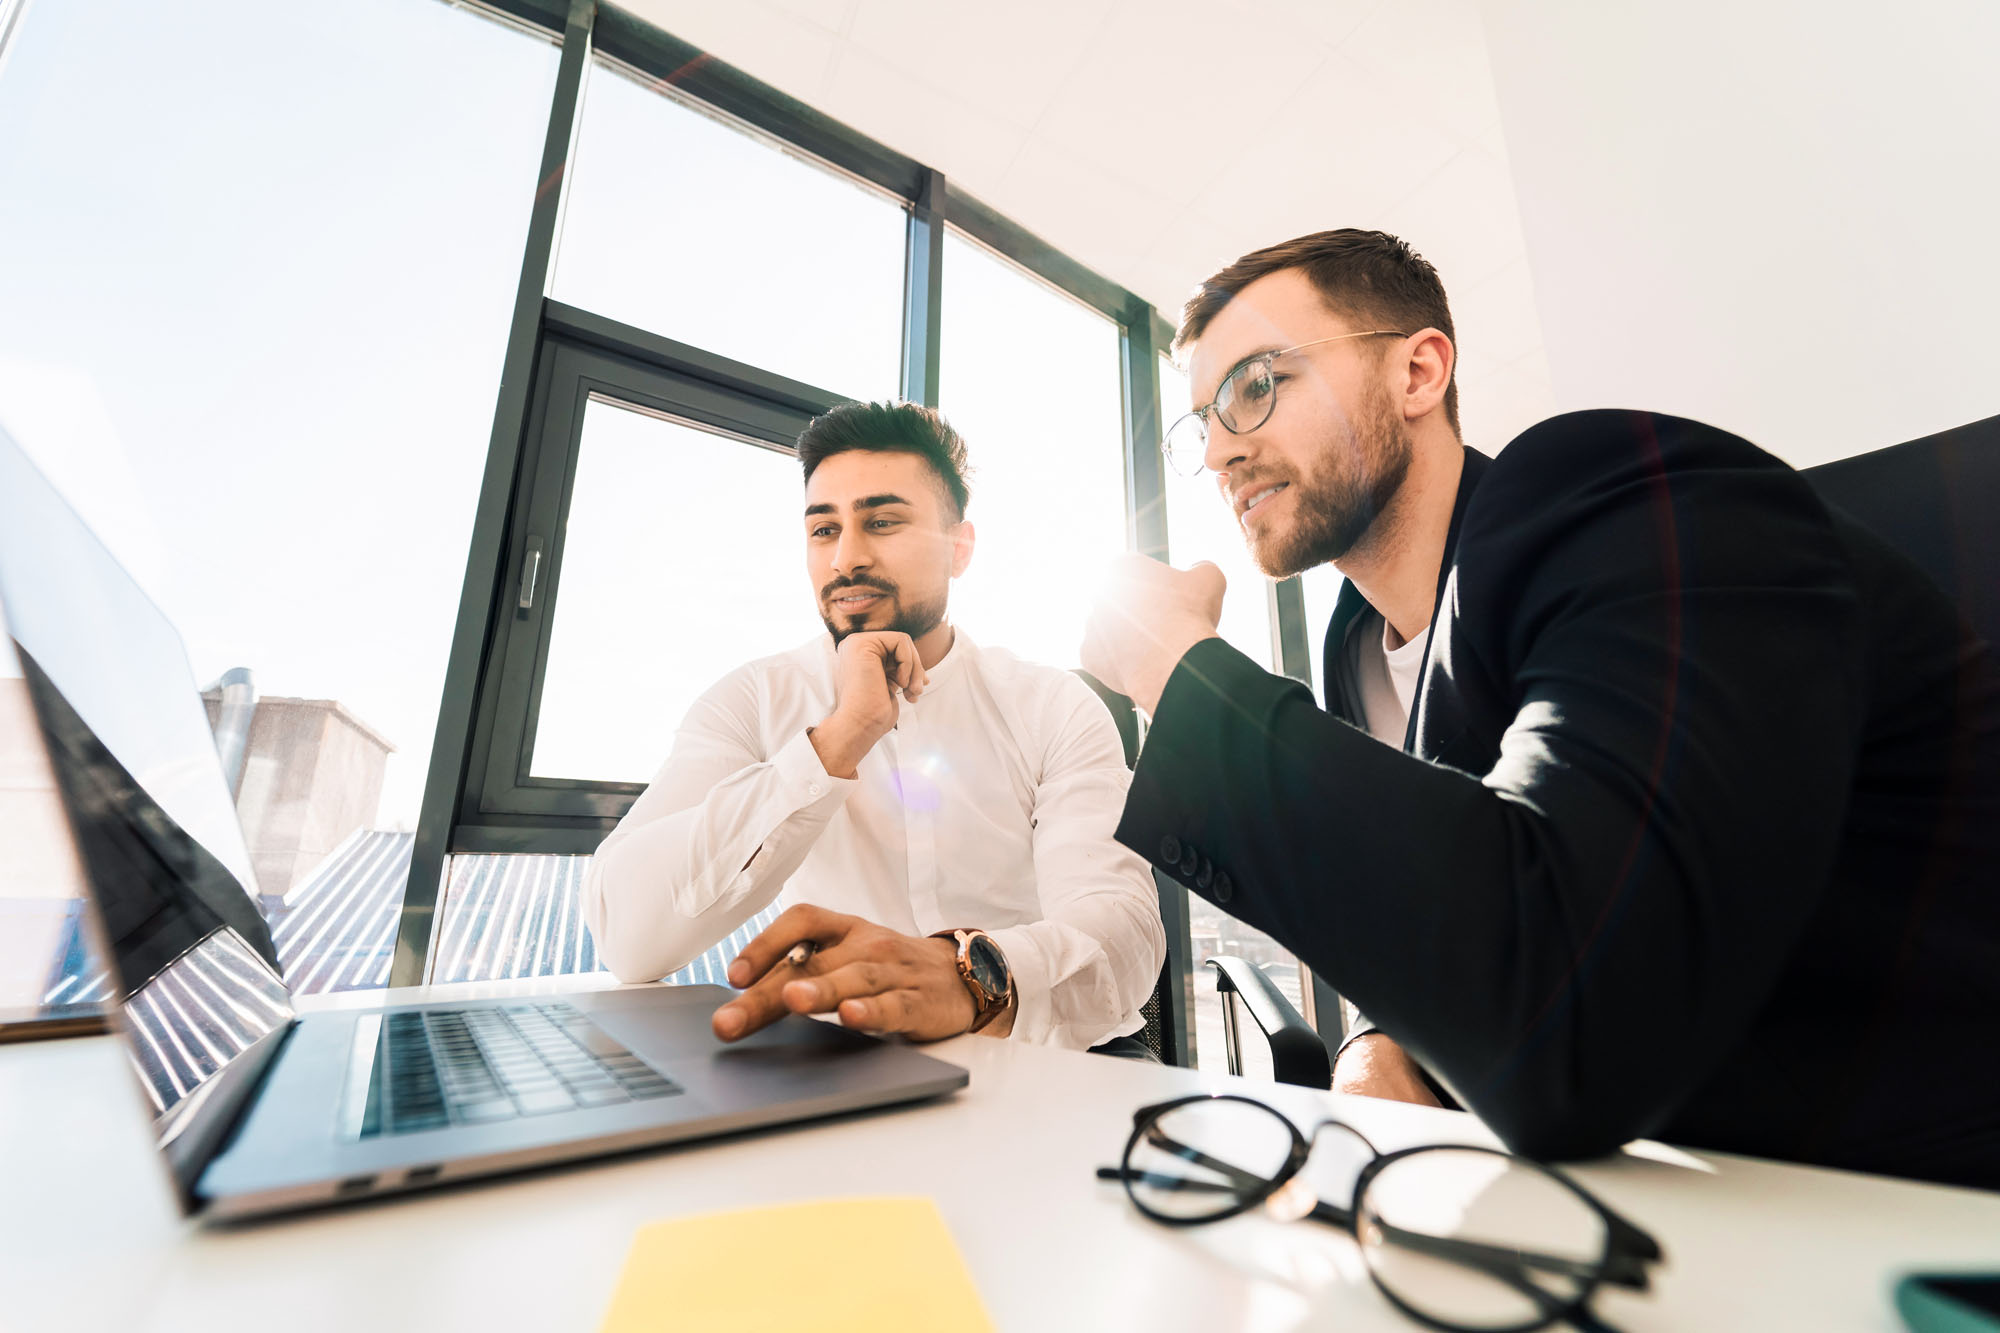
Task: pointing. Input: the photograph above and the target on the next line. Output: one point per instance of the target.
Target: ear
(961, 547)
(1430, 359)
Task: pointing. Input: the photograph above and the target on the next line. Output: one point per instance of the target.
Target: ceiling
(1155, 140)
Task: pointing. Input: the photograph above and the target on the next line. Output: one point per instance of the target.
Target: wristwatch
(984, 970)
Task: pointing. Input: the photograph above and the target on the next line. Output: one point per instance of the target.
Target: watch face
(988, 964)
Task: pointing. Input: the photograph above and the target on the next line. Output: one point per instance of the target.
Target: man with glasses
(935, 813)
(1687, 822)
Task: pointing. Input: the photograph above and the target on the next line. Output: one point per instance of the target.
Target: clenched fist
(1147, 616)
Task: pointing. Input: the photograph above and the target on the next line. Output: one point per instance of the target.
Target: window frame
(582, 356)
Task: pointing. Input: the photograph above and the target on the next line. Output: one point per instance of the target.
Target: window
(656, 544)
(680, 223)
(1031, 379)
(1201, 527)
(259, 346)
(518, 916)
(1321, 585)
(683, 559)
(43, 954)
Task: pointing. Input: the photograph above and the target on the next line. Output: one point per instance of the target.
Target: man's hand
(870, 669)
(869, 976)
(1375, 1066)
(1146, 618)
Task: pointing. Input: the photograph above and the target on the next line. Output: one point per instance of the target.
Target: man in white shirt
(936, 815)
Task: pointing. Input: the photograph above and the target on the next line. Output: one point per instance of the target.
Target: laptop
(259, 1109)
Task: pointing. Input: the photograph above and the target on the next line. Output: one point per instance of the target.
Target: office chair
(1937, 500)
(1159, 1034)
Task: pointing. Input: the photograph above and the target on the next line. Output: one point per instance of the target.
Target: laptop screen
(123, 735)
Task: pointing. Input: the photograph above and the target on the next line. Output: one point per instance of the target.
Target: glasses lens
(1478, 1239)
(1245, 398)
(1205, 1158)
(1187, 441)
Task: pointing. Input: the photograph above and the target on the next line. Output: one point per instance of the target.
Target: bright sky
(254, 312)
(253, 322)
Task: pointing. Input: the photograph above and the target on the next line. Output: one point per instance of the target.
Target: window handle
(531, 568)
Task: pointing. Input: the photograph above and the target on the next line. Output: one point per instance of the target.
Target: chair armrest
(1298, 1056)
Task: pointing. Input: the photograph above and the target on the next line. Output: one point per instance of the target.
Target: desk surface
(90, 1238)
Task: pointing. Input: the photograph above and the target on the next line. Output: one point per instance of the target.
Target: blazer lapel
(1334, 682)
(1430, 731)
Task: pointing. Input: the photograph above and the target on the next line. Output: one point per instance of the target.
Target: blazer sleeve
(1572, 940)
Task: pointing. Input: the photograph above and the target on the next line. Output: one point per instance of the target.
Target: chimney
(311, 774)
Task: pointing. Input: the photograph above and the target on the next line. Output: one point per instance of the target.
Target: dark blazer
(1699, 837)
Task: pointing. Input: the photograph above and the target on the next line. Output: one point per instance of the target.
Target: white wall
(1779, 217)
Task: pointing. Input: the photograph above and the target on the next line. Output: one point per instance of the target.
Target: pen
(799, 953)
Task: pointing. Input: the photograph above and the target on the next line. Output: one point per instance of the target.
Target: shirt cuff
(1086, 1018)
(806, 783)
(1034, 1011)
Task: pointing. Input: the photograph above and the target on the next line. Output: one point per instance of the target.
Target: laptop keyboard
(436, 1068)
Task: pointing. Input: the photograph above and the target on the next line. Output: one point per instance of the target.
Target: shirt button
(1222, 890)
(1170, 850)
(813, 789)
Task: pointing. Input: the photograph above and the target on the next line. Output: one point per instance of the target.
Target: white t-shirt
(1388, 680)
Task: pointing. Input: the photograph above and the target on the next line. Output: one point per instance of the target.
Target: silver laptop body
(257, 1109)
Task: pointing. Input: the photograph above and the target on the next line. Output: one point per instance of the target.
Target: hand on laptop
(872, 667)
(869, 976)
(1147, 616)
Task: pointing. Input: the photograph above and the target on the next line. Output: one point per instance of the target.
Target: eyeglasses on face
(1242, 403)
(1458, 1238)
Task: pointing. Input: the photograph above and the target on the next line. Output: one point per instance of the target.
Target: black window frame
(504, 807)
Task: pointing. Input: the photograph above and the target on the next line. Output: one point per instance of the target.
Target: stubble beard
(1349, 487)
(916, 619)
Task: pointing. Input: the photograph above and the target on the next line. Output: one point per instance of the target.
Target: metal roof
(504, 916)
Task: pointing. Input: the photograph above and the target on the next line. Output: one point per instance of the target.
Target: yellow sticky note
(833, 1266)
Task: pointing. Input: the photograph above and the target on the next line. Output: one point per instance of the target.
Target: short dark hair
(1367, 276)
(900, 428)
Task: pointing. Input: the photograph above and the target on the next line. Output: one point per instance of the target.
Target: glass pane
(680, 223)
(1031, 379)
(666, 587)
(246, 355)
(513, 916)
(516, 916)
(1215, 933)
(338, 930)
(1321, 585)
(1200, 527)
(44, 956)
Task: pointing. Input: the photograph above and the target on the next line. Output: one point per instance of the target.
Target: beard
(915, 619)
(1350, 484)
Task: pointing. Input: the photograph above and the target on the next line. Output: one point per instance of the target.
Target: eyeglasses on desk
(1457, 1237)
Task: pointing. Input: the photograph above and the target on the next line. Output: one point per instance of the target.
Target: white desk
(90, 1238)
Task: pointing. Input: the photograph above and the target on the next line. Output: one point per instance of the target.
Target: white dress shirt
(990, 805)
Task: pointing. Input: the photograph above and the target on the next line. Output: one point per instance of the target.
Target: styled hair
(898, 428)
(1370, 277)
